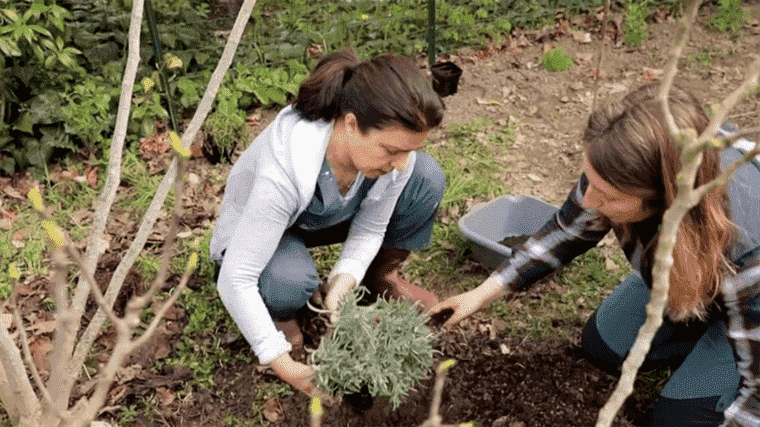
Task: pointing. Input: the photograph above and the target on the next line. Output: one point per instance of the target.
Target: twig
(686, 198)
(26, 405)
(146, 226)
(602, 48)
(672, 68)
(25, 348)
(61, 381)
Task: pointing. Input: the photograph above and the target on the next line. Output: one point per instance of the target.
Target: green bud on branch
(36, 198)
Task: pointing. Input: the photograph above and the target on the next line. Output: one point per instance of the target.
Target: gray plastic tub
(486, 224)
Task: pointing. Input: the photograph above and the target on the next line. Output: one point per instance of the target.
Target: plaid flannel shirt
(576, 229)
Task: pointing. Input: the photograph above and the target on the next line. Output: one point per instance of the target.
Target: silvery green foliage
(385, 345)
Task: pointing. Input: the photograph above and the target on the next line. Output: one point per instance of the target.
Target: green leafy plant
(729, 18)
(556, 60)
(384, 348)
(635, 29)
(226, 132)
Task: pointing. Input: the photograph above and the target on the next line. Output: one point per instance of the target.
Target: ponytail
(319, 96)
(385, 91)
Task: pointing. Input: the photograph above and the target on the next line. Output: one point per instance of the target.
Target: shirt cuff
(277, 346)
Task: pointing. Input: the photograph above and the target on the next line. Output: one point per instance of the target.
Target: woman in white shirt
(338, 165)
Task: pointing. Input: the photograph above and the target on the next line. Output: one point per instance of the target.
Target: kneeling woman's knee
(284, 292)
(597, 351)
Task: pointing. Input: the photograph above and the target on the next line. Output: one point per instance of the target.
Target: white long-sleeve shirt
(269, 186)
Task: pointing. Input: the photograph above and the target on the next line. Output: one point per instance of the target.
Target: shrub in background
(556, 60)
(635, 27)
(730, 16)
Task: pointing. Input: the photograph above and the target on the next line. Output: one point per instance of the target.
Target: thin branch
(123, 348)
(727, 104)
(61, 378)
(723, 178)
(686, 198)
(93, 329)
(163, 271)
(602, 48)
(26, 405)
(25, 348)
(672, 68)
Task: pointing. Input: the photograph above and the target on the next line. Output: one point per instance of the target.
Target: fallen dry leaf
(314, 50)
(584, 57)
(18, 238)
(12, 192)
(271, 410)
(596, 73)
(165, 396)
(582, 38)
(155, 144)
(128, 373)
(40, 346)
(44, 327)
(91, 175)
(650, 74)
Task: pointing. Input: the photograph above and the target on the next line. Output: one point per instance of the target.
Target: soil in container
(512, 241)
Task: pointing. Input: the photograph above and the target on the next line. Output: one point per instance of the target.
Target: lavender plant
(385, 347)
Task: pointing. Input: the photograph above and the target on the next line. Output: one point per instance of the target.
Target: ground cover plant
(163, 391)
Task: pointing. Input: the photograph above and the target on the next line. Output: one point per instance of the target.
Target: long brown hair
(381, 92)
(629, 145)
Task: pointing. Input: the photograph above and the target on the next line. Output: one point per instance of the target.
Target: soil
(499, 380)
(510, 241)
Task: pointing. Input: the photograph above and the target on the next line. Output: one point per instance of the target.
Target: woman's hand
(468, 303)
(339, 285)
(298, 375)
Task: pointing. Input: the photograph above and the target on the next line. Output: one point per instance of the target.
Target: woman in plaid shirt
(711, 334)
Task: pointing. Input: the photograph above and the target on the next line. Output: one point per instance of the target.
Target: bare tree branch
(687, 197)
(25, 348)
(26, 405)
(602, 49)
(62, 375)
(672, 68)
(163, 189)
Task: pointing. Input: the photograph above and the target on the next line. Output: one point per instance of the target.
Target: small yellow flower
(55, 233)
(177, 144)
(365, 17)
(36, 198)
(147, 83)
(470, 424)
(13, 271)
(716, 143)
(316, 406)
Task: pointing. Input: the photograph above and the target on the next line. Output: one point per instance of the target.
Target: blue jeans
(290, 277)
(706, 379)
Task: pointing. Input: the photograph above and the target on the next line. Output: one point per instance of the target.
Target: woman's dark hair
(628, 144)
(380, 92)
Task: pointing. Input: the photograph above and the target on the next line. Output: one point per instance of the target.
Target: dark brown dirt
(510, 241)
